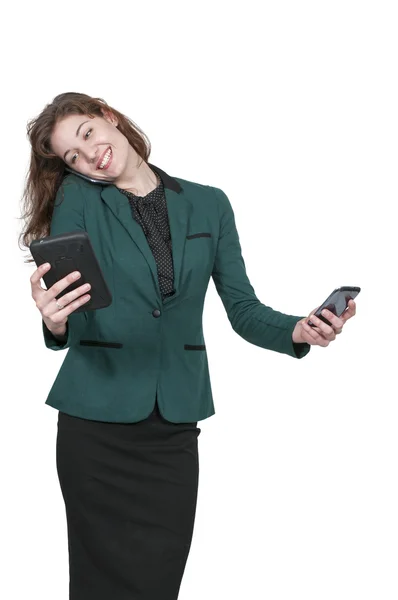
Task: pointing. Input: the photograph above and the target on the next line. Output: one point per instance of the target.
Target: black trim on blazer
(168, 181)
(196, 235)
(190, 347)
(100, 344)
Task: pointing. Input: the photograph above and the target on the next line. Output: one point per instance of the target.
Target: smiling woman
(147, 515)
(90, 137)
(135, 381)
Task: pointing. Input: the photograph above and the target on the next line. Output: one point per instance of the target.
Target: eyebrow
(77, 133)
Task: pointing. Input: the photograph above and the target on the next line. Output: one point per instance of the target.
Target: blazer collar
(178, 208)
(169, 182)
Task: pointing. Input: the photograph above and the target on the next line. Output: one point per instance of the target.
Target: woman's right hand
(55, 318)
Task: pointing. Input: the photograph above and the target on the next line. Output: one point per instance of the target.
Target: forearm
(264, 327)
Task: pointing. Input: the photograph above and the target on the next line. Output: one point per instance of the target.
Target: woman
(136, 382)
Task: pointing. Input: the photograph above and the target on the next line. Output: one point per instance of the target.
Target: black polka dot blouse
(150, 212)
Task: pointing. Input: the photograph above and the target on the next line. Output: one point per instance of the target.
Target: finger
(351, 310)
(59, 315)
(324, 329)
(310, 332)
(62, 284)
(331, 337)
(74, 294)
(69, 297)
(38, 274)
(312, 336)
(337, 322)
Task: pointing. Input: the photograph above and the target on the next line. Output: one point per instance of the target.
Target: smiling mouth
(105, 159)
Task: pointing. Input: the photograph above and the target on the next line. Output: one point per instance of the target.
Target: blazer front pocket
(100, 344)
(197, 235)
(194, 347)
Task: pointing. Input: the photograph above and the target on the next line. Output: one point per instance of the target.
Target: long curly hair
(46, 170)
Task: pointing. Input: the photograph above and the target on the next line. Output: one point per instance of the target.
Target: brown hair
(47, 170)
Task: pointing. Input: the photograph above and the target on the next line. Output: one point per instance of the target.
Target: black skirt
(130, 492)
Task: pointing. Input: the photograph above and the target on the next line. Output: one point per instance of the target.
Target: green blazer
(121, 356)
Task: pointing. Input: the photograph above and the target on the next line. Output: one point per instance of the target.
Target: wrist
(58, 331)
(297, 333)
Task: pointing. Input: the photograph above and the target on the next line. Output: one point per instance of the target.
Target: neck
(137, 177)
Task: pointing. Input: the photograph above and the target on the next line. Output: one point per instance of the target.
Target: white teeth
(105, 160)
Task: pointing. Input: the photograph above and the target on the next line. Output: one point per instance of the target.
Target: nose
(90, 154)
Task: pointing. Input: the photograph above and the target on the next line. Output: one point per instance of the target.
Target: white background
(290, 108)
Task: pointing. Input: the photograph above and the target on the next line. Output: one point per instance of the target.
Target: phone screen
(337, 302)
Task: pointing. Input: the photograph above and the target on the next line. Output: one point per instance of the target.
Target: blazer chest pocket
(99, 344)
(199, 252)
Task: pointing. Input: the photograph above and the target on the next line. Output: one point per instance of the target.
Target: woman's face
(91, 146)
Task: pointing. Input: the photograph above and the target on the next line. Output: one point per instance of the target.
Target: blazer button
(156, 312)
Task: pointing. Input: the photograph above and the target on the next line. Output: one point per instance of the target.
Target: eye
(86, 136)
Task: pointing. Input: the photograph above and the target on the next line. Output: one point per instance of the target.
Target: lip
(102, 158)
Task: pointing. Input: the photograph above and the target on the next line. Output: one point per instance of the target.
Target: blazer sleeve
(253, 321)
(68, 216)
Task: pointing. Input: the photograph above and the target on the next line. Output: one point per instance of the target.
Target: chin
(116, 173)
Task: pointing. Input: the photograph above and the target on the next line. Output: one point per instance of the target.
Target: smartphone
(68, 252)
(337, 302)
(87, 178)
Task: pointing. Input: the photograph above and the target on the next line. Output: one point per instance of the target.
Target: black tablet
(68, 252)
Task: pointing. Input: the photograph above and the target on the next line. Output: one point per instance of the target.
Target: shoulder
(74, 190)
(74, 183)
(70, 205)
(73, 194)
(204, 191)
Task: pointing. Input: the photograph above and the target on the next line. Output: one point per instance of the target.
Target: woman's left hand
(322, 334)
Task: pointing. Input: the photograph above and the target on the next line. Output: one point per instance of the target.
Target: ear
(110, 117)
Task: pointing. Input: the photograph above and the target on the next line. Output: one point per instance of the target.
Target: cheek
(120, 151)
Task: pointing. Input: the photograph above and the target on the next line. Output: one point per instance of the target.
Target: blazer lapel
(178, 208)
(120, 207)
